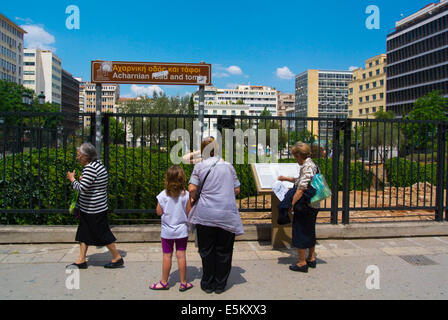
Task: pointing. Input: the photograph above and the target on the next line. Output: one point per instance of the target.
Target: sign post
(98, 88)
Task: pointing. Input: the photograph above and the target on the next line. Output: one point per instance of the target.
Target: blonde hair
(175, 181)
(301, 149)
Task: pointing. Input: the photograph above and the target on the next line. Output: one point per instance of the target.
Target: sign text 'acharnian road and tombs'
(151, 73)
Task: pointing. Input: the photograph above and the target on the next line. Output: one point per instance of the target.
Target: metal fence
(377, 169)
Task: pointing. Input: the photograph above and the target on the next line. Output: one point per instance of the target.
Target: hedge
(404, 173)
(136, 176)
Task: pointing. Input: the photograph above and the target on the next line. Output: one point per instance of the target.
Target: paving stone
(401, 251)
(18, 258)
(47, 257)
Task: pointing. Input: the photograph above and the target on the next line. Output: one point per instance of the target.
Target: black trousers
(216, 249)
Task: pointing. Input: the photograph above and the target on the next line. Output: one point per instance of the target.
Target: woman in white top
(172, 206)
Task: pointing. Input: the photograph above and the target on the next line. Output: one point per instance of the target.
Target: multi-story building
(70, 93)
(211, 124)
(367, 91)
(81, 91)
(256, 97)
(110, 94)
(417, 57)
(43, 73)
(321, 94)
(285, 106)
(70, 100)
(11, 53)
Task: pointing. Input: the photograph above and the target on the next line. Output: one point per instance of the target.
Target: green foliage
(432, 106)
(136, 177)
(360, 178)
(404, 173)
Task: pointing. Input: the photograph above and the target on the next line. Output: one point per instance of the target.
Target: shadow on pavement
(100, 259)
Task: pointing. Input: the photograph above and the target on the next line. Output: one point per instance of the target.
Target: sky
(246, 42)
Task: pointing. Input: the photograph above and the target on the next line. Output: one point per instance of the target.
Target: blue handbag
(322, 190)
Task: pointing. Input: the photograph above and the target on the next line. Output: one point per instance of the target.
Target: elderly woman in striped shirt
(93, 226)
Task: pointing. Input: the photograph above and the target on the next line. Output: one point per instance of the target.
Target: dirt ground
(421, 194)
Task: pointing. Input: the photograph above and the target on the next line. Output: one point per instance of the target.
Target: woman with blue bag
(304, 222)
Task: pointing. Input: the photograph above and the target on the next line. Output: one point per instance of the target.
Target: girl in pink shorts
(172, 207)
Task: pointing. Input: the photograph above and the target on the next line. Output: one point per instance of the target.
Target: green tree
(432, 106)
(382, 136)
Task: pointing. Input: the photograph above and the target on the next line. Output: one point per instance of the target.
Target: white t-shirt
(174, 218)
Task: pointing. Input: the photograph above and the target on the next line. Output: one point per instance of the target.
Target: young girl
(172, 206)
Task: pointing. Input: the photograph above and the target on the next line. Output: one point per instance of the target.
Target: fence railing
(377, 169)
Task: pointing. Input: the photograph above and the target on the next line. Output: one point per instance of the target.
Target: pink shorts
(168, 244)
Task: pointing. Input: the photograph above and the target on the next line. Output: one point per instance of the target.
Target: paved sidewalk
(409, 268)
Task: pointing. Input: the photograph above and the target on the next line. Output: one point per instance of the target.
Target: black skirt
(304, 226)
(94, 229)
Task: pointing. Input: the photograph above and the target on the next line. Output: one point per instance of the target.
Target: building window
(360, 88)
(381, 82)
(377, 71)
(367, 86)
(363, 75)
(374, 97)
(370, 73)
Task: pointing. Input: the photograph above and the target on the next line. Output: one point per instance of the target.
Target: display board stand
(281, 235)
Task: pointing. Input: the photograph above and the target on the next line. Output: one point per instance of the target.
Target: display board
(266, 174)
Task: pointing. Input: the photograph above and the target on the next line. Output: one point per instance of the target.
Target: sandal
(185, 286)
(163, 286)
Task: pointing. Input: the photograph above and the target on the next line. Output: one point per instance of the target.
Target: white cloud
(352, 68)
(145, 90)
(220, 75)
(234, 70)
(284, 73)
(26, 20)
(37, 37)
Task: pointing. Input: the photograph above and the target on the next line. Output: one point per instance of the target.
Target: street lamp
(41, 98)
(27, 98)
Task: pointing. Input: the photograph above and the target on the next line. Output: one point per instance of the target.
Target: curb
(256, 232)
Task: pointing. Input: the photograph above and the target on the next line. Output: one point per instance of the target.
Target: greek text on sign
(151, 73)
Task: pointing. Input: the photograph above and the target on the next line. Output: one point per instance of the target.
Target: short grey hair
(89, 151)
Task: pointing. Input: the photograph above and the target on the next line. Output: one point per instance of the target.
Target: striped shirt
(92, 188)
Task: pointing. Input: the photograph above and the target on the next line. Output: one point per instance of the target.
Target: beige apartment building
(285, 106)
(110, 94)
(11, 51)
(367, 91)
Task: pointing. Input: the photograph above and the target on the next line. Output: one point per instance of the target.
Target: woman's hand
(297, 196)
(283, 178)
(71, 176)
